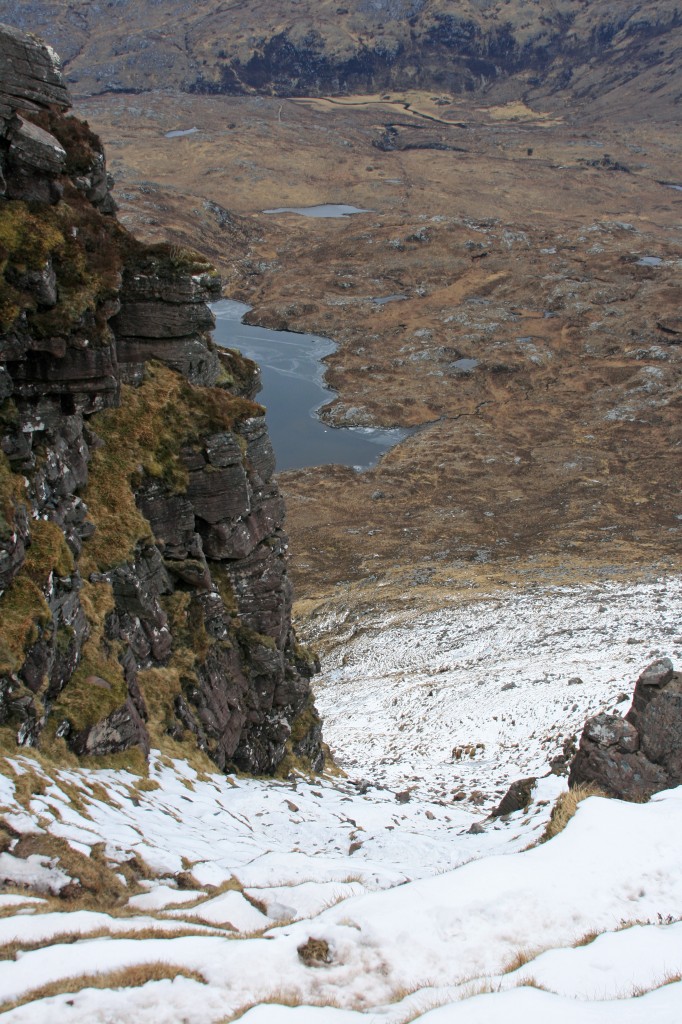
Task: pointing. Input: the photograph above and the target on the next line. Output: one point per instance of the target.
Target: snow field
(422, 918)
(400, 695)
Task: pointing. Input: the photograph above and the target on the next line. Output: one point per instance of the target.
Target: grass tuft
(566, 806)
(125, 977)
(522, 957)
(642, 990)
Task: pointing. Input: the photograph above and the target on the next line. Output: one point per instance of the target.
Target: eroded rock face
(640, 754)
(361, 46)
(143, 581)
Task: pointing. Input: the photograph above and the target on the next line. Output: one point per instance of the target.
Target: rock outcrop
(144, 590)
(640, 754)
(320, 48)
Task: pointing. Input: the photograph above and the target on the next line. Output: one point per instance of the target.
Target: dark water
(382, 300)
(293, 391)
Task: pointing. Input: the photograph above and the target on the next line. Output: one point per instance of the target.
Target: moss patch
(12, 491)
(143, 438)
(303, 723)
(82, 146)
(23, 613)
(27, 238)
(23, 608)
(48, 552)
(84, 250)
(83, 701)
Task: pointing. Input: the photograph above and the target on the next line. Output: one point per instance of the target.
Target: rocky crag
(640, 754)
(325, 48)
(145, 597)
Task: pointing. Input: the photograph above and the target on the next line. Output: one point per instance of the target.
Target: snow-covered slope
(474, 696)
(411, 914)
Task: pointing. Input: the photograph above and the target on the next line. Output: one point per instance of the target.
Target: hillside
(568, 48)
(175, 847)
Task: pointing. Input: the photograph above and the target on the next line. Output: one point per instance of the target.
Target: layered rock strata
(145, 597)
(316, 47)
(640, 754)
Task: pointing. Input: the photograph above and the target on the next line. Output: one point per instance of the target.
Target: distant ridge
(564, 49)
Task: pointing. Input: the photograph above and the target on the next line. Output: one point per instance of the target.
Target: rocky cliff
(145, 597)
(312, 47)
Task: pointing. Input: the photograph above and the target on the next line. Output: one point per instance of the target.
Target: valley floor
(369, 897)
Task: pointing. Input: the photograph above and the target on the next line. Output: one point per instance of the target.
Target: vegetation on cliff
(143, 588)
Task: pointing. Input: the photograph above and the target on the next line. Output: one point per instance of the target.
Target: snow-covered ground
(412, 914)
(503, 680)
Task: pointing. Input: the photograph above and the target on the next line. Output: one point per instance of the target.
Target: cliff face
(145, 596)
(312, 47)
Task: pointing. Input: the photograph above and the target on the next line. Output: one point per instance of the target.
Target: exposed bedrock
(362, 46)
(144, 595)
(640, 754)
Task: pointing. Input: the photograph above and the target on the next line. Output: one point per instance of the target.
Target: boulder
(517, 797)
(30, 73)
(633, 757)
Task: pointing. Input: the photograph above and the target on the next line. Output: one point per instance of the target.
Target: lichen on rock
(144, 595)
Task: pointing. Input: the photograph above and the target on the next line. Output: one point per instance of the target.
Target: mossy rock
(144, 437)
(24, 611)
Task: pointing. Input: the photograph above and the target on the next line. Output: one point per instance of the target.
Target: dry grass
(587, 939)
(10, 950)
(93, 880)
(522, 957)
(282, 997)
(425, 1004)
(661, 919)
(28, 781)
(531, 982)
(126, 977)
(566, 806)
(642, 990)
(479, 987)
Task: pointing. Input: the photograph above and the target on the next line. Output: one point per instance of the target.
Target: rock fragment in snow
(315, 952)
(517, 797)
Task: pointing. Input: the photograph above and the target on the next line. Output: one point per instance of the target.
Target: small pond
(293, 391)
(176, 133)
(465, 365)
(325, 210)
(649, 261)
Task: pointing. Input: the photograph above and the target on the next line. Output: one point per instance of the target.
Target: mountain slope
(296, 48)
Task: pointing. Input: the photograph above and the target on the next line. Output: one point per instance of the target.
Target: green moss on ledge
(12, 491)
(83, 248)
(98, 685)
(295, 759)
(23, 608)
(144, 437)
